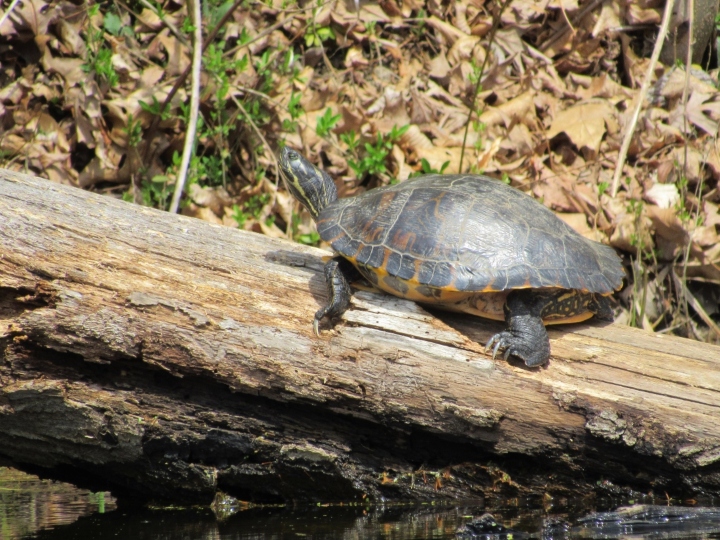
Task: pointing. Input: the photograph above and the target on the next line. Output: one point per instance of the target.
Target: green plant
(602, 188)
(133, 131)
(640, 270)
(419, 29)
(214, 128)
(426, 168)
(252, 208)
(326, 122)
(375, 156)
(310, 239)
(214, 10)
(99, 57)
(351, 139)
(114, 25)
(295, 110)
(476, 73)
(317, 34)
(155, 192)
(155, 108)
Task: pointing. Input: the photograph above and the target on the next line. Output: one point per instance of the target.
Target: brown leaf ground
(375, 95)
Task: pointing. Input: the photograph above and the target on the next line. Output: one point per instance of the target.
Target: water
(41, 509)
(28, 504)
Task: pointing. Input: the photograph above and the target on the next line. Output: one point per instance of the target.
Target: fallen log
(165, 358)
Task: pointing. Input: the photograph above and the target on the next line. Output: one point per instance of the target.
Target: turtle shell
(467, 234)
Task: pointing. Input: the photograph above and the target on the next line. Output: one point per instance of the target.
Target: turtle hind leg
(525, 336)
(338, 274)
(601, 307)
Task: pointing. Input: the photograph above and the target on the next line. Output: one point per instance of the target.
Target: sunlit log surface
(165, 358)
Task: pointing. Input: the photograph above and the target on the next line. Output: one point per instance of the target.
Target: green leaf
(112, 23)
(326, 122)
(325, 33)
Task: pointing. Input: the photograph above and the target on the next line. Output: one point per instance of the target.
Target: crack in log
(14, 301)
(144, 300)
(665, 395)
(241, 443)
(647, 438)
(662, 379)
(242, 439)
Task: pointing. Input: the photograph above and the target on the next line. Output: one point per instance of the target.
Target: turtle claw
(501, 341)
(316, 329)
(520, 345)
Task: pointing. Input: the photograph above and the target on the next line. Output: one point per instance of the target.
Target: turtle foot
(338, 273)
(525, 338)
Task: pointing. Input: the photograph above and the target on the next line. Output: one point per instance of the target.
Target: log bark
(165, 358)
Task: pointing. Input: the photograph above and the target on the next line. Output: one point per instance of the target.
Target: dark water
(33, 508)
(28, 504)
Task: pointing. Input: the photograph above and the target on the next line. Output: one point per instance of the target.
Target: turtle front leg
(338, 274)
(525, 336)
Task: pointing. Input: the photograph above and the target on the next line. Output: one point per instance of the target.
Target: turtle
(460, 242)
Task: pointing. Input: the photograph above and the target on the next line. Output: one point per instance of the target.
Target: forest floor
(374, 92)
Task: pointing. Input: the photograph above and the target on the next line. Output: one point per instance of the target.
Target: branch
(640, 98)
(194, 107)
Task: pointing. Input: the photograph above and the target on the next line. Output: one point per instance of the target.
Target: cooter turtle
(461, 242)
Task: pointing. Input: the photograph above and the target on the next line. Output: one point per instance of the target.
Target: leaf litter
(375, 96)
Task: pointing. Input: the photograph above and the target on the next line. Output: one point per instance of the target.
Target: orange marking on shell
(489, 288)
(371, 232)
(335, 238)
(386, 257)
(436, 211)
(401, 241)
(417, 265)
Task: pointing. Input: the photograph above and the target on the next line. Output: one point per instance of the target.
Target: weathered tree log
(165, 358)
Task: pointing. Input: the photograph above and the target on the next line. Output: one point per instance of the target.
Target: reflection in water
(352, 523)
(28, 504)
(45, 510)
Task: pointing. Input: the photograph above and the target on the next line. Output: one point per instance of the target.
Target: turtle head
(308, 184)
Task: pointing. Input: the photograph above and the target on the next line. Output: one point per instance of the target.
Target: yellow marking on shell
(436, 212)
(486, 304)
(566, 296)
(492, 288)
(412, 293)
(569, 320)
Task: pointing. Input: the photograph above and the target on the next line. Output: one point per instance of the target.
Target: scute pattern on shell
(466, 233)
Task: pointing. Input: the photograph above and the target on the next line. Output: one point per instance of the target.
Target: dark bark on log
(165, 358)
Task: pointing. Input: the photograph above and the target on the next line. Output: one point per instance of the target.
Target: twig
(9, 11)
(259, 36)
(686, 92)
(478, 84)
(181, 80)
(696, 305)
(194, 106)
(173, 29)
(275, 26)
(640, 98)
(276, 103)
(569, 26)
(257, 131)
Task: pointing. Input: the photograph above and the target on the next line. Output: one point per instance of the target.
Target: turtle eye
(293, 155)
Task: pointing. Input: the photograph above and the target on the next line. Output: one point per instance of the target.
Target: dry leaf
(584, 123)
